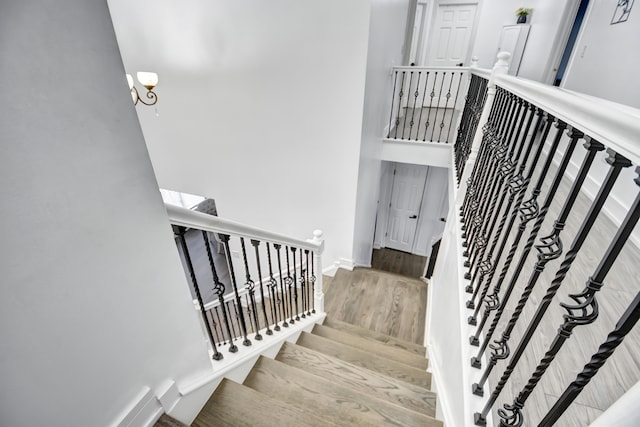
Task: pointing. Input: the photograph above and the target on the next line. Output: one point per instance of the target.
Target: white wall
(386, 38)
(94, 302)
(548, 22)
(260, 106)
(605, 61)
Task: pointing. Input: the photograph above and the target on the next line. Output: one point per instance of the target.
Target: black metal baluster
(516, 186)
(218, 289)
(221, 333)
(491, 142)
(288, 282)
(551, 248)
(446, 104)
(406, 111)
(251, 287)
(255, 244)
(528, 212)
(504, 171)
(250, 316)
(455, 101)
(416, 94)
(424, 95)
(400, 95)
(234, 335)
(478, 167)
(272, 287)
(243, 326)
(614, 339)
(294, 283)
(582, 311)
(306, 254)
(393, 95)
(433, 128)
(478, 237)
(431, 95)
(179, 231)
(313, 284)
(283, 296)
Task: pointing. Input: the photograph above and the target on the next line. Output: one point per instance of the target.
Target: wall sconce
(148, 80)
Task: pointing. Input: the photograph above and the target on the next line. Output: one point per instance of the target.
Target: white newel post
(318, 295)
(501, 67)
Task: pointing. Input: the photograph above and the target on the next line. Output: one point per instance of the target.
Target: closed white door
(451, 35)
(404, 208)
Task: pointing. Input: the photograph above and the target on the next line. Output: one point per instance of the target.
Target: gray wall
(94, 302)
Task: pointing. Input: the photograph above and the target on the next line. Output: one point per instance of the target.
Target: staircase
(339, 374)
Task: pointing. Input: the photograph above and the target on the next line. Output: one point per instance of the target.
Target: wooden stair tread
(374, 336)
(339, 372)
(337, 403)
(236, 405)
(367, 360)
(375, 347)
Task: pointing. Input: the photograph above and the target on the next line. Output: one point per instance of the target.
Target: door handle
(413, 217)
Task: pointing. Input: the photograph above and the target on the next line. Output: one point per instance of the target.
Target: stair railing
(273, 280)
(528, 135)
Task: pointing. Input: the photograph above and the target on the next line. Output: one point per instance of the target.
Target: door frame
(429, 23)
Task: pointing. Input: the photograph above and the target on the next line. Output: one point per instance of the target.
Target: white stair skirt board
(347, 264)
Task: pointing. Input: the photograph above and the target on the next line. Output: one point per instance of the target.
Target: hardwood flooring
(382, 302)
(398, 262)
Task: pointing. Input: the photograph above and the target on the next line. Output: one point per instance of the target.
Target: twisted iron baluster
(528, 212)
(218, 289)
(282, 287)
(478, 167)
(179, 232)
(614, 339)
(406, 111)
(552, 248)
(516, 185)
(272, 287)
(505, 171)
(243, 326)
(435, 116)
(479, 235)
(455, 100)
(583, 310)
(446, 104)
(255, 244)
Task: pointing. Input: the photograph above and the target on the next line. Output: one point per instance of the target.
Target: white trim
(170, 396)
(192, 219)
(144, 411)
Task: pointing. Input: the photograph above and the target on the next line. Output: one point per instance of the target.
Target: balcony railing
(531, 137)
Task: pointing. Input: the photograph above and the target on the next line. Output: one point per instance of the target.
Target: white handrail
(429, 68)
(482, 72)
(614, 125)
(192, 219)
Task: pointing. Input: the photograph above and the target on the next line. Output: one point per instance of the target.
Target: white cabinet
(513, 40)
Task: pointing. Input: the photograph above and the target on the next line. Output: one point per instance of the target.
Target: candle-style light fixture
(149, 81)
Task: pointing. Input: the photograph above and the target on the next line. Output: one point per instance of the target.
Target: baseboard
(345, 263)
(143, 412)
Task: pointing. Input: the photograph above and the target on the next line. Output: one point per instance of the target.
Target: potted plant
(522, 13)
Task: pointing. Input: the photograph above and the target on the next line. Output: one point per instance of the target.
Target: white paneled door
(451, 34)
(404, 208)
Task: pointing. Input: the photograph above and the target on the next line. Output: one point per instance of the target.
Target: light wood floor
(621, 285)
(398, 262)
(382, 302)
